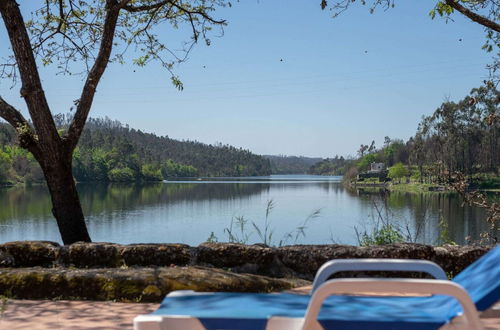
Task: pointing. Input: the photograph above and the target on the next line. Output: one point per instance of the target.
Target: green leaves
(141, 61)
(171, 169)
(177, 83)
(398, 171)
(387, 234)
(432, 13)
(443, 9)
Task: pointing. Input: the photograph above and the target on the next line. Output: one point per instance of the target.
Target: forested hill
(291, 164)
(111, 151)
(209, 160)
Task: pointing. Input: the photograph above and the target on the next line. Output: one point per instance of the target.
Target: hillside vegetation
(291, 164)
(461, 136)
(111, 151)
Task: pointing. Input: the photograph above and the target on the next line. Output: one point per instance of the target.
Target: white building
(376, 167)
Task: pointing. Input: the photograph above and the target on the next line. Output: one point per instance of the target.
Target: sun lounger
(454, 304)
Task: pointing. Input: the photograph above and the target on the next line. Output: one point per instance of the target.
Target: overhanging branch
(11, 114)
(189, 12)
(473, 16)
(15, 118)
(137, 9)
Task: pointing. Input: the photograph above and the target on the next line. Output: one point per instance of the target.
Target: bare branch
(9, 70)
(190, 13)
(197, 12)
(136, 9)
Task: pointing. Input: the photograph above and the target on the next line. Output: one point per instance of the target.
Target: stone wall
(132, 284)
(289, 261)
(146, 272)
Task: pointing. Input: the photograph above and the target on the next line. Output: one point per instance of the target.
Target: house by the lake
(377, 170)
(376, 167)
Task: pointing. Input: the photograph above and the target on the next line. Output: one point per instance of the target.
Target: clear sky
(286, 78)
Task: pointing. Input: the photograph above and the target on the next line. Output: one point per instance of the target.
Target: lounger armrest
(407, 265)
(406, 286)
(172, 322)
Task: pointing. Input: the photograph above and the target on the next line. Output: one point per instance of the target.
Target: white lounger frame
(321, 290)
(404, 265)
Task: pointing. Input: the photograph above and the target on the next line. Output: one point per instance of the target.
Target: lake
(192, 211)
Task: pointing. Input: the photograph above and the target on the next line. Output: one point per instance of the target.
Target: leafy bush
(444, 233)
(4, 166)
(151, 173)
(121, 175)
(171, 169)
(387, 234)
(398, 171)
(365, 161)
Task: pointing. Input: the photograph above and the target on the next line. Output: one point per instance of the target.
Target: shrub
(121, 175)
(151, 173)
(398, 171)
(387, 234)
(4, 166)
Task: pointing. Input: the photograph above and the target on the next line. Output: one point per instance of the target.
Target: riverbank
(416, 187)
(413, 187)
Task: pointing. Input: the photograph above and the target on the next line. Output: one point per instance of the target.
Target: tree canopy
(84, 36)
(397, 171)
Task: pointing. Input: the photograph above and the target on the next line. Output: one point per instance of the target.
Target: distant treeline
(111, 151)
(331, 166)
(291, 164)
(459, 136)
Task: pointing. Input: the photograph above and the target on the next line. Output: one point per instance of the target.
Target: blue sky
(341, 82)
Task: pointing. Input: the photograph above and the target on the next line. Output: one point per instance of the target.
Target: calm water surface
(189, 211)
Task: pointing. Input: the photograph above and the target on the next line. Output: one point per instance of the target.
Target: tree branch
(157, 5)
(136, 9)
(95, 74)
(27, 138)
(197, 12)
(473, 16)
(11, 114)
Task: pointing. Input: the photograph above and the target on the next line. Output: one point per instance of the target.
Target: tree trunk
(66, 206)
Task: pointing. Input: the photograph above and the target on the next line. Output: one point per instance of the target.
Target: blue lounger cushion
(252, 311)
(482, 279)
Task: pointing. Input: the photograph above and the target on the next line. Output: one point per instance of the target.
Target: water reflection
(420, 214)
(188, 211)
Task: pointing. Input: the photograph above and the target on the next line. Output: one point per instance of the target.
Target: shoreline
(416, 187)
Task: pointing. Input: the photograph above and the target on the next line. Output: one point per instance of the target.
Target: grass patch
(414, 187)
